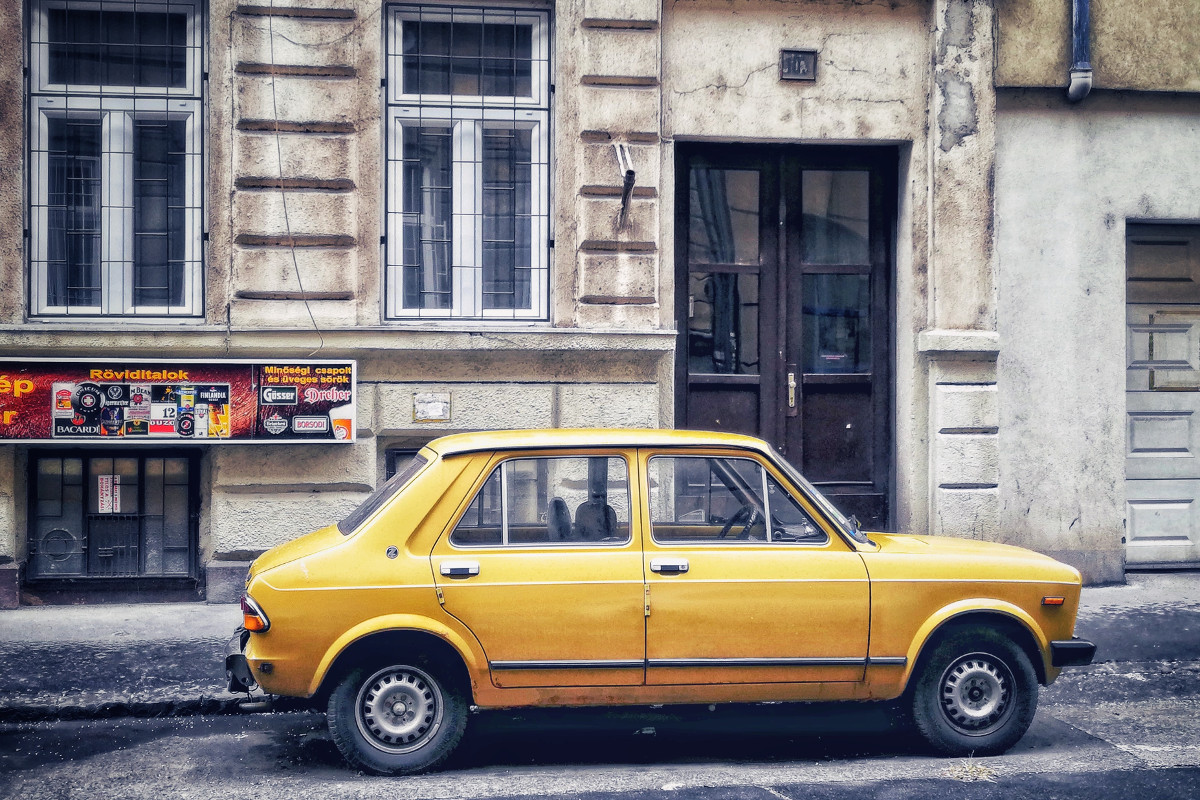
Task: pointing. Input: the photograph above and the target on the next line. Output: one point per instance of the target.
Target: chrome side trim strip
(756, 662)
(678, 663)
(569, 664)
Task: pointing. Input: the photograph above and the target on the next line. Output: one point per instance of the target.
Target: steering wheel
(745, 516)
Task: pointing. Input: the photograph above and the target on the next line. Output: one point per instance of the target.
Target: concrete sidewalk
(167, 659)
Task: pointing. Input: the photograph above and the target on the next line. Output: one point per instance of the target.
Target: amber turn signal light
(1053, 601)
(253, 618)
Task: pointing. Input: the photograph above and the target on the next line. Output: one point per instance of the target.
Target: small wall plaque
(798, 65)
(431, 406)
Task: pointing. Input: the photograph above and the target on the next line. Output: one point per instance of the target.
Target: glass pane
(836, 217)
(481, 524)
(695, 499)
(789, 521)
(159, 174)
(49, 487)
(117, 48)
(427, 199)
(153, 492)
(507, 257)
(467, 57)
(837, 324)
(73, 213)
(56, 540)
(724, 216)
(723, 323)
(567, 500)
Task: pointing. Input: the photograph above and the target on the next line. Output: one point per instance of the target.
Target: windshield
(848, 526)
(381, 495)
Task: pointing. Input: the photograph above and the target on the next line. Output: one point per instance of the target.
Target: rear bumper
(1074, 652)
(237, 669)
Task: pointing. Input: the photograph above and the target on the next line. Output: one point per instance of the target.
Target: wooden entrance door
(783, 264)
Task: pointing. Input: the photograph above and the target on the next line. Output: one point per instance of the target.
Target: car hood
(970, 557)
(296, 549)
(899, 543)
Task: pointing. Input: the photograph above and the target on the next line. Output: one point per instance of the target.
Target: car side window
(549, 500)
(698, 499)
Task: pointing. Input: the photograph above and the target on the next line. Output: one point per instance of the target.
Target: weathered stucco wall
(1148, 45)
(1068, 181)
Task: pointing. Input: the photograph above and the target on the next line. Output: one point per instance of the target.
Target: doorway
(783, 299)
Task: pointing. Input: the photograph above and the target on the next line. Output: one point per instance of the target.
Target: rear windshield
(381, 495)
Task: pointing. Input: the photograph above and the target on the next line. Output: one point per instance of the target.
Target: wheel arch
(1005, 618)
(373, 642)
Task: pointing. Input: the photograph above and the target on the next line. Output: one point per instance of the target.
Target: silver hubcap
(976, 693)
(398, 709)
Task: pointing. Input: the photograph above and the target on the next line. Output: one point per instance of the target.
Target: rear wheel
(397, 719)
(976, 693)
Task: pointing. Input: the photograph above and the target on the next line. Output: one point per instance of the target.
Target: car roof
(579, 438)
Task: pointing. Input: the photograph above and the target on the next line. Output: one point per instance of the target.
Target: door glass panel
(724, 216)
(836, 217)
(837, 324)
(723, 324)
(697, 499)
(549, 501)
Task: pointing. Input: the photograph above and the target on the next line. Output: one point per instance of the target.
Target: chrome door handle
(669, 566)
(460, 569)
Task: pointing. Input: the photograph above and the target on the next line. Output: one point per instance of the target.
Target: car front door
(545, 570)
(745, 585)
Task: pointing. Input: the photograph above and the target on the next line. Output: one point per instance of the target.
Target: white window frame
(39, 27)
(118, 107)
(469, 115)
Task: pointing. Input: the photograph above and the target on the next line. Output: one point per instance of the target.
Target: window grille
(115, 157)
(467, 162)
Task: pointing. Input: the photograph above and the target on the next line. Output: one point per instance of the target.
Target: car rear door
(545, 569)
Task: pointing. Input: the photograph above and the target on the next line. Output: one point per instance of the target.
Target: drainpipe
(1081, 51)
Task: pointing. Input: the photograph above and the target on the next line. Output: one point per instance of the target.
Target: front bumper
(237, 669)
(1073, 652)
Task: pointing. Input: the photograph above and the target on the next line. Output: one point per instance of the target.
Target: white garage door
(1162, 430)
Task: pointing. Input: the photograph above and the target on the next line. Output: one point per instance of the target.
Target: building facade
(808, 221)
(1097, 199)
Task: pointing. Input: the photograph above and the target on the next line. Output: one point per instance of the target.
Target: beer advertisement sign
(148, 401)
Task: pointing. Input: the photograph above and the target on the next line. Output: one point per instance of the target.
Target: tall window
(115, 132)
(468, 162)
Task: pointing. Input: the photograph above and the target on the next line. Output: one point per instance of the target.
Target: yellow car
(607, 567)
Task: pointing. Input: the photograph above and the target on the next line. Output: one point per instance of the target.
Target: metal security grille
(115, 157)
(101, 516)
(468, 162)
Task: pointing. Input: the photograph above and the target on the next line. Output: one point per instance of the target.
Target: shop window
(116, 515)
(115, 157)
(467, 162)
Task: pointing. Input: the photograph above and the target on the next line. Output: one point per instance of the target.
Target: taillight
(253, 618)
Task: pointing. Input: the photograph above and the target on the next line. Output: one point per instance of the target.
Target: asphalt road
(1117, 729)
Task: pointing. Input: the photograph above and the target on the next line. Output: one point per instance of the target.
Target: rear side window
(381, 495)
(540, 501)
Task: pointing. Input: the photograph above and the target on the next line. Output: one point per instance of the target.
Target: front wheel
(976, 693)
(396, 720)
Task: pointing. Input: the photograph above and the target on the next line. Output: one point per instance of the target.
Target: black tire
(976, 693)
(397, 719)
